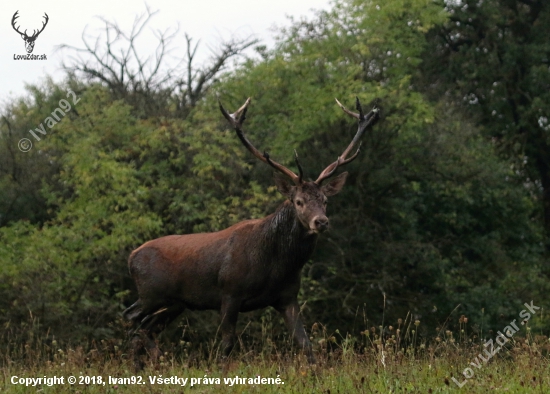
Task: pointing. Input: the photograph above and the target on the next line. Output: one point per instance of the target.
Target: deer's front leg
(229, 314)
(293, 321)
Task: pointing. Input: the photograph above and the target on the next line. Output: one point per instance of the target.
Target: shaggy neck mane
(290, 241)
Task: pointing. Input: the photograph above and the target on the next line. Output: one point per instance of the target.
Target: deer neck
(289, 240)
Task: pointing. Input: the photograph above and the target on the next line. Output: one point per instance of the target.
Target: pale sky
(208, 20)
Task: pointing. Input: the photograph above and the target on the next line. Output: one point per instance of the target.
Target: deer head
(29, 40)
(309, 198)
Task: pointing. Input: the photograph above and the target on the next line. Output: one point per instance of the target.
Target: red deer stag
(250, 265)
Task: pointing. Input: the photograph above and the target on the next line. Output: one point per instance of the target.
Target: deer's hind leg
(146, 327)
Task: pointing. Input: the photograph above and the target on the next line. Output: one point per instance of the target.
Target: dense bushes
(431, 217)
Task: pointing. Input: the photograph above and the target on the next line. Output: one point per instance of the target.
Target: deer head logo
(29, 40)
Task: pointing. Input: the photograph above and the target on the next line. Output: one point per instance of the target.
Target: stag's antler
(15, 16)
(364, 122)
(43, 25)
(35, 33)
(237, 119)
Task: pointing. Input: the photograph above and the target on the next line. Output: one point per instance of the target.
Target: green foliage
(430, 216)
(491, 59)
(70, 269)
(21, 175)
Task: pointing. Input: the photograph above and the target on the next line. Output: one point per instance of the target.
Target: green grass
(393, 363)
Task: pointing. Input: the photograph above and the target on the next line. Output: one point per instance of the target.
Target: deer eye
(299, 203)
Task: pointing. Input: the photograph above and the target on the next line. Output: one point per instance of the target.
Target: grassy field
(395, 362)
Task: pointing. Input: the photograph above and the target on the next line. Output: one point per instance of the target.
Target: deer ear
(335, 185)
(283, 185)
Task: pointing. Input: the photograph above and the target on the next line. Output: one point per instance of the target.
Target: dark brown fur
(250, 265)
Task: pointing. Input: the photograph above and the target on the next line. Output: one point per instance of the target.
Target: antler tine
(359, 108)
(13, 21)
(237, 119)
(347, 111)
(331, 169)
(43, 24)
(301, 171)
(364, 122)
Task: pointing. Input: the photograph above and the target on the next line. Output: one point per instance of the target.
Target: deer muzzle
(319, 224)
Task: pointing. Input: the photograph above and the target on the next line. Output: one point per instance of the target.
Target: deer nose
(320, 223)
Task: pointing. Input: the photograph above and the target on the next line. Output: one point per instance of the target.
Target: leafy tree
(22, 173)
(68, 270)
(430, 216)
(491, 58)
